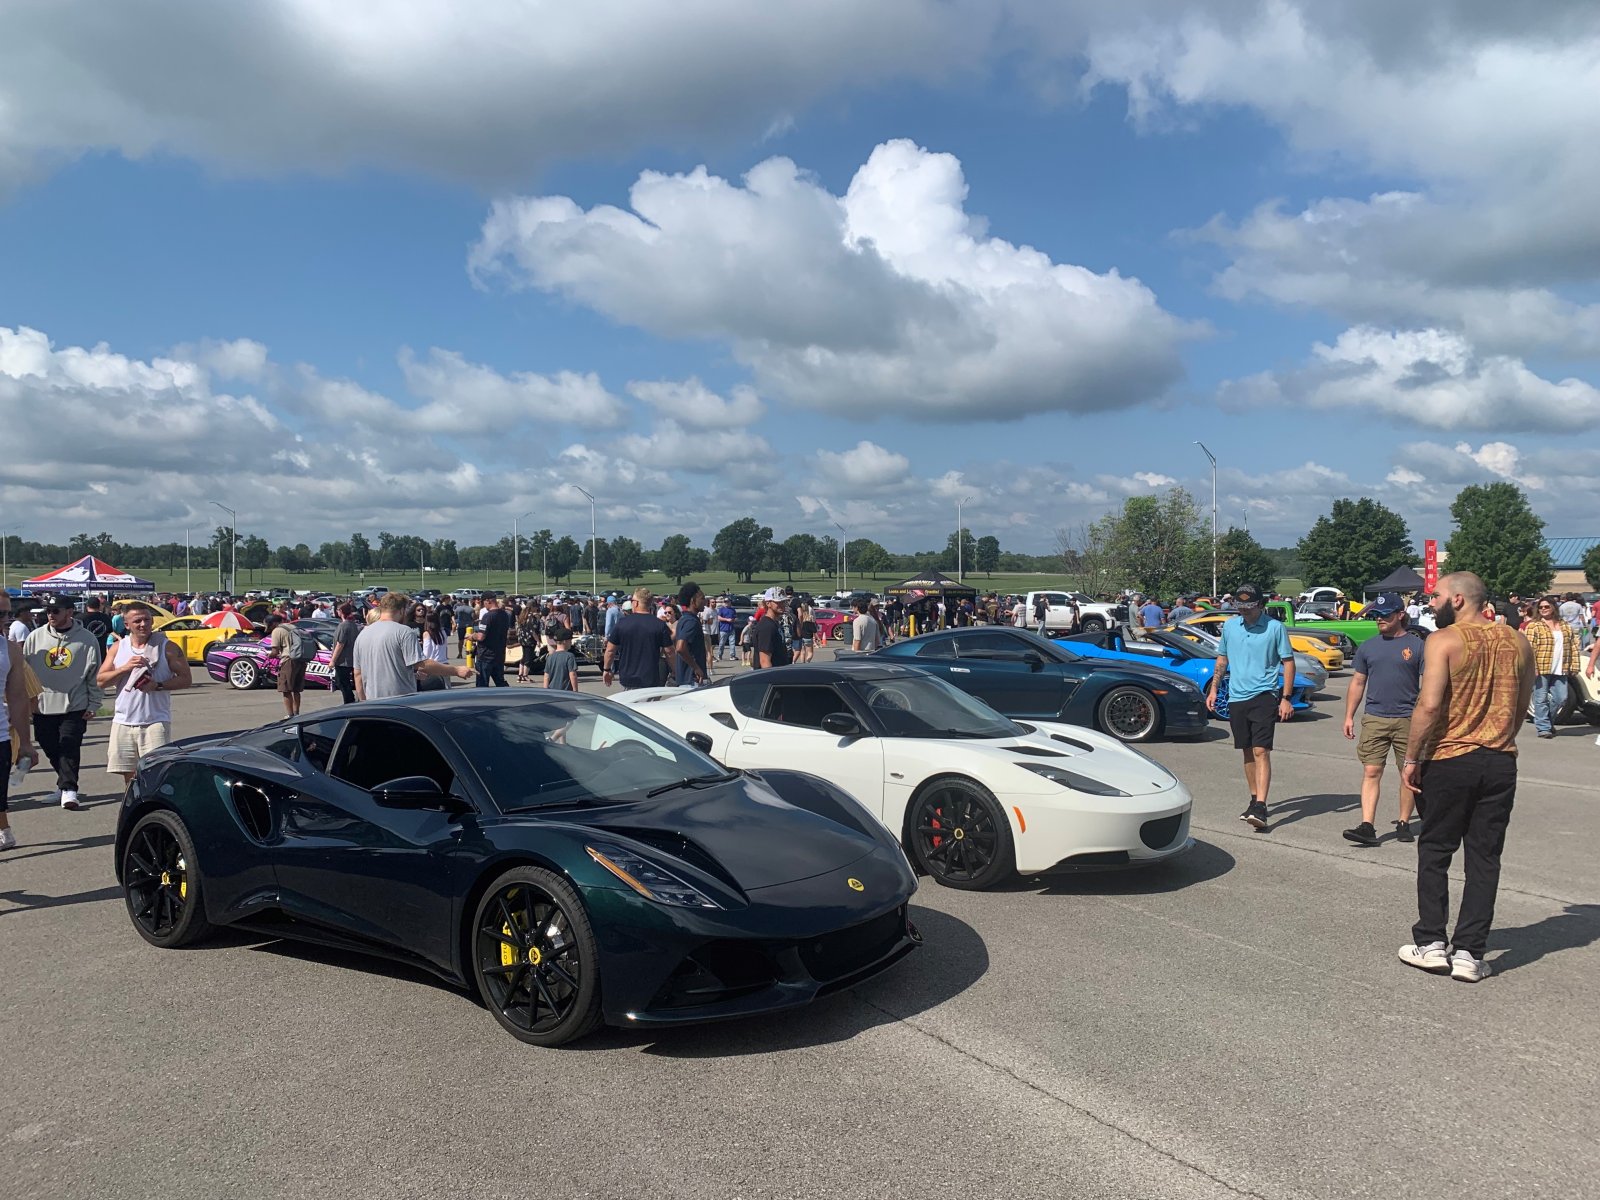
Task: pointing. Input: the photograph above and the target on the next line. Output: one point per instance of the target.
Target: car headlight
(651, 881)
(1071, 779)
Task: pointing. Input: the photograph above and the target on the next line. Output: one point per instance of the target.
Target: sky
(834, 265)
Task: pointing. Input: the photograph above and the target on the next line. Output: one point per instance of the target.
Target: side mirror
(413, 791)
(842, 724)
(700, 741)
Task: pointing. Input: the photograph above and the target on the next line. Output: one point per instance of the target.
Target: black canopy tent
(920, 592)
(1401, 579)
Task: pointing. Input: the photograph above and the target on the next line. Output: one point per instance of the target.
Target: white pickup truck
(1093, 615)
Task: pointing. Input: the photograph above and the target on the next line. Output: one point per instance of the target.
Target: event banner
(1430, 565)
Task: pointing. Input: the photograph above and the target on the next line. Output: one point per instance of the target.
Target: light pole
(422, 559)
(844, 558)
(1213, 459)
(960, 541)
(594, 571)
(233, 545)
(516, 555)
(5, 548)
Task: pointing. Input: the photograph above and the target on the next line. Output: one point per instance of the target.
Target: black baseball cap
(1247, 593)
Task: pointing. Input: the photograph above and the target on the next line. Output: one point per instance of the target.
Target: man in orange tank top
(1476, 683)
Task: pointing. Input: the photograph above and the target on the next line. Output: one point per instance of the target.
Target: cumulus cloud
(888, 299)
(691, 404)
(1427, 377)
(463, 395)
(411, 85)
(866, 465)
(670, 446)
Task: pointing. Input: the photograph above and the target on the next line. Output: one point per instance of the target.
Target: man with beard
(1476, 684)
(490, 635)
(65, 658)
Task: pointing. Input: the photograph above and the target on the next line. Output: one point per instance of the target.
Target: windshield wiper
(691, 781)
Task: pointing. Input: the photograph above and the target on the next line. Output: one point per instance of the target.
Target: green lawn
(712, 581)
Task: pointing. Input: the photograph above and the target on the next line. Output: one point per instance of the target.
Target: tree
(676, 558)
(827, 560)
(741, 547)
(1358, 543)
(802, 553)
(868, 558)
(564, 555)
(950, 560)
(360, 552)
(335, 556)
(627, 559)
(254, 554)
(443, 555)
(987, 556)
(1591, 567)
(1242, 559)
(1155, 543)
(599, 554)
(1083, 558)
(1499, 538)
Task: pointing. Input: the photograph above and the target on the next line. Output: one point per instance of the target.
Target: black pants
(344, 678)
(1468, 800)
(490, 667)
(60, 736)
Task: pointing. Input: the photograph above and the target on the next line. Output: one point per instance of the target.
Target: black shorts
(1253, 721)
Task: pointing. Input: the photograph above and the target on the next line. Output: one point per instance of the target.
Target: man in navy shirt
(689, 638)
(1388, 673)
(635, 644)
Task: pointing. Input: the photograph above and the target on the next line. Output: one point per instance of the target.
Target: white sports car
(973, 796)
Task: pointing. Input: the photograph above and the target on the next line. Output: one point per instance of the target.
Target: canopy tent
(1401, 579)
(932, 583)
(88, 574)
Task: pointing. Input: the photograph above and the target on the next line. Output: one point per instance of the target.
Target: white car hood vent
(1036, 752)
(1073, 742)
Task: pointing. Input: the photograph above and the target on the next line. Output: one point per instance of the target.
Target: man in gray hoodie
(66, 657)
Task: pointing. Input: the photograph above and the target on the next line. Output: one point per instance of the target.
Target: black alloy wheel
(957, 833)
(161, 883)
(1129, 713)
(535, 958)
(243, 674)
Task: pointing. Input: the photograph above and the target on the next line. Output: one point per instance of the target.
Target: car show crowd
(1251, 658)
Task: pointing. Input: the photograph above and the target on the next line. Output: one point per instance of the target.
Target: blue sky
(397, 297)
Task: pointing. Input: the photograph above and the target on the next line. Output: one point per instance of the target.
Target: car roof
(866, 667)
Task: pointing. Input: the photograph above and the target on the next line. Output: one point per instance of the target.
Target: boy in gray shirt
(561, 664)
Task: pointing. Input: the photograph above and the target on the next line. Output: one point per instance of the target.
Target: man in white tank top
(147, 670)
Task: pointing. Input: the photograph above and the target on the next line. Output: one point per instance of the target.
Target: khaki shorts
(129, 743)
(1381, 736)
(291, 676)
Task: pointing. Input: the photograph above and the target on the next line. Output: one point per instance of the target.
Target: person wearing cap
(771, 646)
(1388, 675)
(1258, 661)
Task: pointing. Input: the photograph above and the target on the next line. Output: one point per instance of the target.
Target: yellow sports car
(193, 638)
(1330, 657)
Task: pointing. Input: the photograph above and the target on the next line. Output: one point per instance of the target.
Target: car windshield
(929, 707)
(1193, 649)
(572, 752)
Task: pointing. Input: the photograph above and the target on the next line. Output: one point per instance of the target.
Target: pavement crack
(1040, 1089)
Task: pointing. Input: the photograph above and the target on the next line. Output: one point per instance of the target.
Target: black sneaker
(1402, 832)
(1255, 816)
(1362, 835)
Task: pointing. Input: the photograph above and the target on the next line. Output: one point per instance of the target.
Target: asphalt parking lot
(1234, 1024)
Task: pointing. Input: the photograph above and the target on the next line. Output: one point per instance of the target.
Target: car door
(786, 733)
(1008, 680)
(375, 873)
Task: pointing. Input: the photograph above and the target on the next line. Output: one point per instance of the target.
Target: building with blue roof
(1567, 555)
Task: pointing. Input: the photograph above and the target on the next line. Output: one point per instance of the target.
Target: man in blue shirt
(725, 619)
(1388, 675)
(1259, 663)
(1150, 614)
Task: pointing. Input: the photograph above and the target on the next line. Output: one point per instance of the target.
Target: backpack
(301, 647)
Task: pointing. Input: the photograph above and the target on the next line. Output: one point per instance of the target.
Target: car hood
(1147, 673)
(752, 836)
(1084, 752)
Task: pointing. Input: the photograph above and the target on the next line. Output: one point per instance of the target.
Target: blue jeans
(1549, 694)
(725, 642)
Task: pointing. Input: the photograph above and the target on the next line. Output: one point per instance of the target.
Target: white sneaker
(1431, 958)
(1468, 969)
(69, 800)
(8, 839)
(24, 764)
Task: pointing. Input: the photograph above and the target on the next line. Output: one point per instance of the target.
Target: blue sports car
(1163, 648)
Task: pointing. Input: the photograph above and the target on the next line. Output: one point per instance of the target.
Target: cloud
(864, 467)
(410, 85)
(672, 447)
(464, 396)
(691, 404)
(887, 300)
(1429, 377)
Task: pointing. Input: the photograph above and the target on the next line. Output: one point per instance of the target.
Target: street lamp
(233, 546)
(960, 541)
(844, 558)
(516, 555)
(1213, 459)
(594, 571)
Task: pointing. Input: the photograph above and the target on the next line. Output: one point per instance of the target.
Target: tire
(1093, 625)
(957, 833)
(1128, 713)
(535, 959)
(161, 883)
(840, 632)
(244, 674)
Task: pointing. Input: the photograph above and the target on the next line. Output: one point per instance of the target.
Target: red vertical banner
(1430, 565)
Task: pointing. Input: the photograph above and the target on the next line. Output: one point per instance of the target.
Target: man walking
(770, 648)
(387, 655)
(489, 638)
(1463, 760)
(864, 629)
(344, 644)
(149, 668)
(1388, 674)
(635, 645)
(294, 651)
(66, 660)
(1555, 656)
(1259, 663)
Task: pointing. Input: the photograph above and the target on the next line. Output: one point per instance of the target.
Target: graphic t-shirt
(768, 639)
(494, 624)
(1393, 667)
